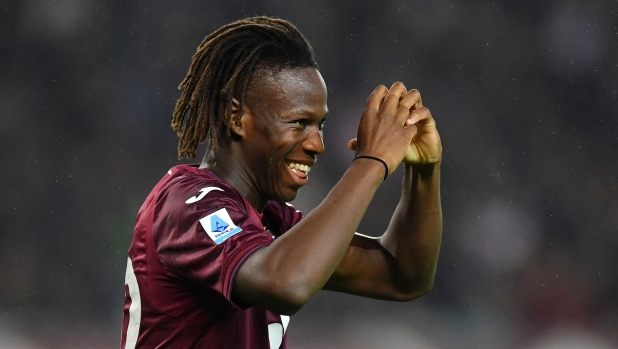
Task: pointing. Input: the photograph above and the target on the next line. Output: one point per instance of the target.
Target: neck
(234, 174)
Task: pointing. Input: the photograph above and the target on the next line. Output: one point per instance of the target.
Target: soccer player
(218, 257)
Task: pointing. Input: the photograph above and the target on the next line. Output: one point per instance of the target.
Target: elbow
(279, 302)
(272, 286)
(289, 299)
(290, 305)
(413, 290)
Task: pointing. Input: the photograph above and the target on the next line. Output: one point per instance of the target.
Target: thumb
(352, 144)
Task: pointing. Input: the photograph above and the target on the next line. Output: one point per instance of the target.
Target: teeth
(300, 167)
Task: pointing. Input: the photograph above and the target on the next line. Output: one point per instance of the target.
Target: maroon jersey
(191, 235)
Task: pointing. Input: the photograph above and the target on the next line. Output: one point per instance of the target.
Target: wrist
(368, 168)
(424, 170)
(373, 158)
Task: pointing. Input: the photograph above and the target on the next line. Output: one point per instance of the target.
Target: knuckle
(377, 93)
(422, 111)
(380, 89)
(402, 108)
(406, 103)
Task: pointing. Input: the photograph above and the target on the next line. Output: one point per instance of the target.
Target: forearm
(299, 263)
(414, 233)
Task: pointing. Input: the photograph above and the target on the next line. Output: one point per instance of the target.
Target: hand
(387, 125)
(426, 147)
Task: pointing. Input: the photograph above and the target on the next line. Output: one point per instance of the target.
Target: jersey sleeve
(283, 216)
(204, 231)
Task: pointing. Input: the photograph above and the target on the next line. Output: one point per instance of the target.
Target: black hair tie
(376, 159)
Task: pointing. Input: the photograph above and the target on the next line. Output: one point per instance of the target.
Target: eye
(300, 122)
(321, 125)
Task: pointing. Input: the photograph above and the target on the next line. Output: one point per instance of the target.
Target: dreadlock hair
(222, 69)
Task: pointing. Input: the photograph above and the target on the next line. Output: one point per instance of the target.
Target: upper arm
(205, 239)
(258, 282)
(259, 279)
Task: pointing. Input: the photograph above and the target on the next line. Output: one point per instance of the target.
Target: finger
(419, 115)
(392, 98)
(398, 88)
(411, 130)
(408, 101)
(390, 104)
(419, 103)
(375, 99)
(412, 99)
(402, 114)
(352, 144)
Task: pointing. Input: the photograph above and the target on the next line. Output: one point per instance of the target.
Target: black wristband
(376, 159)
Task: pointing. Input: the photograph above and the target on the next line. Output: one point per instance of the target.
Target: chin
(287, 196)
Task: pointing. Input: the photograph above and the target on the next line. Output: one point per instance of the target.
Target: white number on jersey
(135, 311)
(276, 332)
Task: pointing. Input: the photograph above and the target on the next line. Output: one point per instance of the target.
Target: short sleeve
(282, 216)
(204, 230)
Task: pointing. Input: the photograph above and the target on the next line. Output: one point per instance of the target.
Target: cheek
(275, 163)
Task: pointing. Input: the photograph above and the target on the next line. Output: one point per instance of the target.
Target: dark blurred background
(524, 94)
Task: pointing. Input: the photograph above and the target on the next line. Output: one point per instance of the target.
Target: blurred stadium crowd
(525, 96)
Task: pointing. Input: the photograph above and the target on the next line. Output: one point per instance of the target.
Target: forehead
(288, 91)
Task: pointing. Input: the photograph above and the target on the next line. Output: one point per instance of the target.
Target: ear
(237, 120)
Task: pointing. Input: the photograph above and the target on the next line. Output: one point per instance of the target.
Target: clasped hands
(396, 127)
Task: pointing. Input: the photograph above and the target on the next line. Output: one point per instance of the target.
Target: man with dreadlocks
(218, 259)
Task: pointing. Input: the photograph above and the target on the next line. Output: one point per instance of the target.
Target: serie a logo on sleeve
(219, 226)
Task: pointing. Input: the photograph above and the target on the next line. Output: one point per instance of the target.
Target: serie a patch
(219, 226)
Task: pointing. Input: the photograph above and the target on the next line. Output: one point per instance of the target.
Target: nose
(314, 143)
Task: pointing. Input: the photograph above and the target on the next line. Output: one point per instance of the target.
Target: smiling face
(282, 121)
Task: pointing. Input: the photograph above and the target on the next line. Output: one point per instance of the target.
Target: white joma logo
(203, 191)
